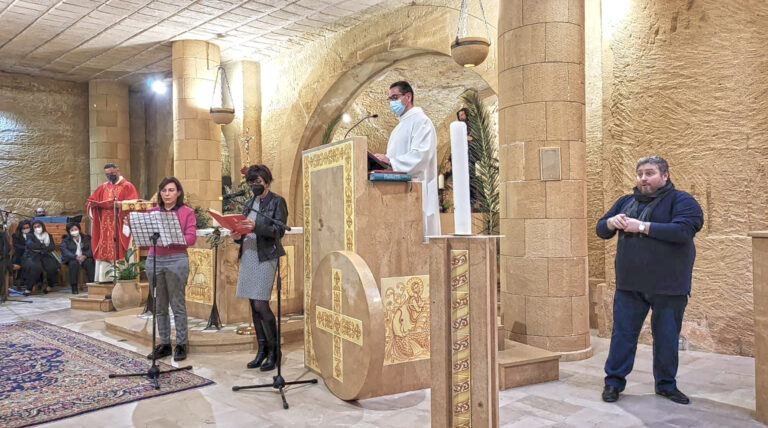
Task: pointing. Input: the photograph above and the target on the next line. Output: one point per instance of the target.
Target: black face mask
(257, 189)
(112, 178)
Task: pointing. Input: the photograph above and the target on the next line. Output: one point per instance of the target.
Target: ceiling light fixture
(470, 51)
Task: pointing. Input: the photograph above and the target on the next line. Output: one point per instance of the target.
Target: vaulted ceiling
(80, 40)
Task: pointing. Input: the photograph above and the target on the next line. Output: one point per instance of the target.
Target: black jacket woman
(39, 258)
(76, 253)
(260, 251)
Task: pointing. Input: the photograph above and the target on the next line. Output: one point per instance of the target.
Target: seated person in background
(19, 239)
(38, 257)
(76, 252)
(40, 212)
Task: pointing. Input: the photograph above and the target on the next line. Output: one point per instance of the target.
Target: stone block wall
(689, 81)
(44, 145)
(109, 129)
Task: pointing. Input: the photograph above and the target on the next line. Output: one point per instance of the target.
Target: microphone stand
(359, 122)
(154, 371)
(277, 381)
(115, 238)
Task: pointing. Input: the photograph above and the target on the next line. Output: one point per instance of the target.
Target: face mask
(25, 231)
(75, 233)
(38, 230)
(112, 178)
(257, 189)
(397, 107)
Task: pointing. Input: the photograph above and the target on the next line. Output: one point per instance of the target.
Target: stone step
(91, 304)
(521, 364)
(99, 291)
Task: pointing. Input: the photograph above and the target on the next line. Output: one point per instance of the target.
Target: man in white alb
(412, 148)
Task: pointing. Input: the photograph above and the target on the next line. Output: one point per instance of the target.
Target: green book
(383, 176)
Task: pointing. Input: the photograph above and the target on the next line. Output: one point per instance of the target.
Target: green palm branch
(328, 133)
(483, 153)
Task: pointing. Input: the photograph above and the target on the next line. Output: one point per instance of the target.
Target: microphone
(372, 116)
(229, 196)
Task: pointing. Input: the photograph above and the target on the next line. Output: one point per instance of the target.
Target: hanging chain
(461, 28)
(224, 83)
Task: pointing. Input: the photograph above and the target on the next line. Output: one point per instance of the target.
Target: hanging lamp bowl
(222, 115)
(470, 51)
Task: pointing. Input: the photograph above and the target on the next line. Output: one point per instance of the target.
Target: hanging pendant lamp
(470, 51)
(220, 114)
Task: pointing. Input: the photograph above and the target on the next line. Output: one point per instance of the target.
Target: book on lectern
(379, 176)
(230, 221)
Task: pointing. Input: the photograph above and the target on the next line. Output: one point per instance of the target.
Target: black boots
(161, 351)
(261, 355)
(74, 289)
(270, 332)
(180, 353)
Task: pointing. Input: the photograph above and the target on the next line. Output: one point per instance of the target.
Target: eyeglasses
(396, 97)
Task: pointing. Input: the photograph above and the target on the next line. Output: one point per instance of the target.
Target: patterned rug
(49, 373)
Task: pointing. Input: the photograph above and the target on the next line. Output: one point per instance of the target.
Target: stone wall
(688, 80)
(44, 146)
(151, 122)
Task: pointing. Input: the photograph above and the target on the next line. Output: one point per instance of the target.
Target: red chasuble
(100, 211)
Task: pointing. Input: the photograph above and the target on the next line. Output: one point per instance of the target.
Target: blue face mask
(397, 107)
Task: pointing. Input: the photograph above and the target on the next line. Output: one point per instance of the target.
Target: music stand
(147, 229)
(278, 382)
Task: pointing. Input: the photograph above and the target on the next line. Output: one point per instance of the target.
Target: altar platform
(137, 328)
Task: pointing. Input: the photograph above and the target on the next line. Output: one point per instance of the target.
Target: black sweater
(660, 262)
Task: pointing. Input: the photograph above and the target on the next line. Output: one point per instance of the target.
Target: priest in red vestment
(100, 207)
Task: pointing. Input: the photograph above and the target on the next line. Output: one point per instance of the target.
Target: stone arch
(340, 95)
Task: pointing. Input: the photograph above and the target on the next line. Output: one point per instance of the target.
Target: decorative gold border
(337, 155)
(460, 355)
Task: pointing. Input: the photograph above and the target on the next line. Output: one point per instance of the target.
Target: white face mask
(75, 233)
(38, 230)
(25, 231)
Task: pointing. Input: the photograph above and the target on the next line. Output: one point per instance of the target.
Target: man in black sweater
(654, 264)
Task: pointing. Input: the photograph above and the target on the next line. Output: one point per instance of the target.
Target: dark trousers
(74, 270)
(629, 311)
(34, 268)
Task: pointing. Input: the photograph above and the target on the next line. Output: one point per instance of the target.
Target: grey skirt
(255, 278)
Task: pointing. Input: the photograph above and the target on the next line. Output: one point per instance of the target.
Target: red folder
(230, 221)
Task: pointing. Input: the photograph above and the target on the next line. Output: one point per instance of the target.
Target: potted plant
(127, 292)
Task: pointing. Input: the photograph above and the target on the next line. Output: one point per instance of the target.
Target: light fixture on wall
(220, 114)
(470, 51)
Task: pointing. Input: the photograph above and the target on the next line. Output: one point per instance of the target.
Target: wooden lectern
(366, 276)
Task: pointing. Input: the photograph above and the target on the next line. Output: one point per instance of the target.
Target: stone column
(760, 284)
(245, 79)
(109, 129)
(463, 336)
(196, 138)
(542, 165)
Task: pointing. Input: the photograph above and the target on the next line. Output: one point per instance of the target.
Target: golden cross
(340, 326)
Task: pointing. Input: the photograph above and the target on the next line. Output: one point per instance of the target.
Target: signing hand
(80, 259)
(633, 225)
(382, 158)
(618, 221)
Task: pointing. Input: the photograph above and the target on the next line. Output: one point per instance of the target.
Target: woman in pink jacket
(172, 272)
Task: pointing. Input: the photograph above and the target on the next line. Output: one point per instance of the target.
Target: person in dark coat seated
(76, 253)
(38, 257)
(19, 239)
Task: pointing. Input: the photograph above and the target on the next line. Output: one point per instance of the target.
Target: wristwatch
(641, 228)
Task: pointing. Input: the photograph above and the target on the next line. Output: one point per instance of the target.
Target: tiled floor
(721, 387)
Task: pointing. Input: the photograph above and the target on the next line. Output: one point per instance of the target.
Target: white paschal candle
(462, 214)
